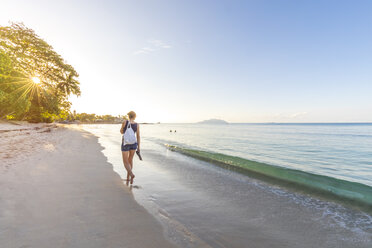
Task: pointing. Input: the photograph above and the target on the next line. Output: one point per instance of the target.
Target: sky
(187, 61)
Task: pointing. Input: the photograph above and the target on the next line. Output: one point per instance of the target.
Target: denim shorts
(127, 147)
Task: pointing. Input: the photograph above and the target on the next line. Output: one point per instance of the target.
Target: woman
(128, 150)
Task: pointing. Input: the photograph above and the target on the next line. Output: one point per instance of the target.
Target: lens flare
(36, 80)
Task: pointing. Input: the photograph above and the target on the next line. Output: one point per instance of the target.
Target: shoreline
(203, 205)
(64, 193)
(68, 192)
(352, 194)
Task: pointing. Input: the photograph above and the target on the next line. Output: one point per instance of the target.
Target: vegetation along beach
(185, 124)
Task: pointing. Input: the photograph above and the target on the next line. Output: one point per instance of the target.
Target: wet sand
(58, 190)
(203, 205)
(222, 208)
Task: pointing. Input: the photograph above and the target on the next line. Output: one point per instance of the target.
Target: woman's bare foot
(131, 178)
(128, 177)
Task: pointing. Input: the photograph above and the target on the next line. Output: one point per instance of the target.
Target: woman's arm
(122, 127)
(138, 137)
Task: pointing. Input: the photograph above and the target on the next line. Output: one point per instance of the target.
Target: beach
(190, 124)
(58, 190)
(201, 204)
(62, 186)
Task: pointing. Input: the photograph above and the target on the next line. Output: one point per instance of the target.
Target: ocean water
(342, 151)
(204, 205)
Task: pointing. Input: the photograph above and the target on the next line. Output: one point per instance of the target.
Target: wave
(352, 192)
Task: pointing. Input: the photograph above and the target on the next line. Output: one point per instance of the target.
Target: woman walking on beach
(130, 143)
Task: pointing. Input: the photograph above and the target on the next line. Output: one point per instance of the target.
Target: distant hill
(213, 121)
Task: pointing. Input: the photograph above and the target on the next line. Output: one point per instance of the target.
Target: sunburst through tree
(34, 80)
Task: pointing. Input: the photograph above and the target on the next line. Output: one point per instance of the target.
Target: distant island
(213, 121)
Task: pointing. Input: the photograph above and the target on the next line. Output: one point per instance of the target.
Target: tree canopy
(35, 81)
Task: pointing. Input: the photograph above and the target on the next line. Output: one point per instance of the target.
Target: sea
(298, 174)
(342, 151)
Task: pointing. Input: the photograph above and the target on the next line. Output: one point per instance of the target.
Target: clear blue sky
(185, 61)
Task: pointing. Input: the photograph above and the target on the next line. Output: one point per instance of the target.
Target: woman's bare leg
(130, 160)
(127, 164)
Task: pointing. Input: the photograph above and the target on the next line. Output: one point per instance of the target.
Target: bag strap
(127, 126)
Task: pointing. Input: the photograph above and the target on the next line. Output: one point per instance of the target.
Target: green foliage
(64, 115)
(48, 117)
(84, 117)
(10, 117)
(23, 56)
(12, 101)
(107, 118)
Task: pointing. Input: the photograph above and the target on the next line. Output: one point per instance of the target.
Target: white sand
(19, 142)
(57, 190)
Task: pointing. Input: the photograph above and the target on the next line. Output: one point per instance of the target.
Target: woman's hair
(132, 115)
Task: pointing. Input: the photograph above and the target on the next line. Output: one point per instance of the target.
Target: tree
(84, 117)
(38, 72)
(12, 100)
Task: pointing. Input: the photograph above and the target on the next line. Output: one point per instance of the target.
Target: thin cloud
(158, 43)
(153, 45)
(144, 50)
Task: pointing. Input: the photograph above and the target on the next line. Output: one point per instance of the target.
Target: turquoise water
(192, 196)
(335, 160)
(341, 151)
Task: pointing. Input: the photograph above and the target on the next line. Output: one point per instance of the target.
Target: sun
(36, 80)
